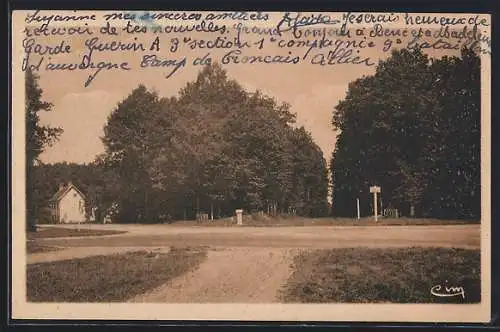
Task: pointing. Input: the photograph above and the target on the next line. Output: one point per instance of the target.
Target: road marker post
(239, 217)
(375, 190)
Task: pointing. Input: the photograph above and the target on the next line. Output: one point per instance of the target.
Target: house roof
(63, 190)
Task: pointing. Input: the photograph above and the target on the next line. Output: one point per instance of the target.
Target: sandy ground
(464, 236)
(237, 275)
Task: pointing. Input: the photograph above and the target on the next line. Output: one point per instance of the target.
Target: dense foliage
(414, 129)
(38, 137)
(213, 149)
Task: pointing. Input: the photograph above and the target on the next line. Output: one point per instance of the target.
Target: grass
(266, 221)
(46, 233)
(359, 275)
(32, 248)
(111, 278)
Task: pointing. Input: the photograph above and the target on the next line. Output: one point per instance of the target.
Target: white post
(375, 190)
(239, 217)
(357, 207)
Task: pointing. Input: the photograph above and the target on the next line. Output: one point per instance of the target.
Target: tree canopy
(412, 128)
(212, 149)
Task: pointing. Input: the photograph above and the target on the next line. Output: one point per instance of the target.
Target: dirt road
(464, 236)
(229, 275)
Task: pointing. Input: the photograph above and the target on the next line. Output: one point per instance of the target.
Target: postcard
(251, 166)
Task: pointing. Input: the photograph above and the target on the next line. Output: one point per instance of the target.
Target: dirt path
(249, 275)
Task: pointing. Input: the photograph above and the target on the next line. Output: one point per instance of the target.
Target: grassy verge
(46, 233)
(32, 248)
(109, 278)
(360, 275)
(249, 221)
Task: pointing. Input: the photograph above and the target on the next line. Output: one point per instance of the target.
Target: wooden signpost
(375, 190)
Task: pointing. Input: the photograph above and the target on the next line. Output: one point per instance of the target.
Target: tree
(456, 169)
(38, 137)
(213, 149)
(130, 147)
(399, 129)
(310, 178)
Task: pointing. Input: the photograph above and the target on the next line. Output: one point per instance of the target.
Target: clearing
(252, 264)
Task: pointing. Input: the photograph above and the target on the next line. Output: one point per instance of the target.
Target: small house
(68, 205)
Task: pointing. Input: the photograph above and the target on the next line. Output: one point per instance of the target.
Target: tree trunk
(146, 210)
(30, 215)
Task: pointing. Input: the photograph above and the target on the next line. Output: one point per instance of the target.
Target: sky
(312, 90)
(83, 114)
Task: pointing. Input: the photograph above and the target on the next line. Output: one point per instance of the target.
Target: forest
(413, 128)
(213, 149)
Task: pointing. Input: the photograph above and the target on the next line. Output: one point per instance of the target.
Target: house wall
(72, 207)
